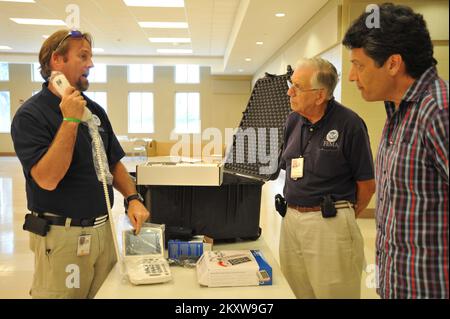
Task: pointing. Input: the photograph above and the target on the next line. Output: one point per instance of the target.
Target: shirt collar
(330, 106)
(415, 91)
(53, 101)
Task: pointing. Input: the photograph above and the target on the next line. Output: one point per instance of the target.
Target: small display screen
(147, 242)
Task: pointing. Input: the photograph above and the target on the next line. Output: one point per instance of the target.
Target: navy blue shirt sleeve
(31, 141)
(359, 153)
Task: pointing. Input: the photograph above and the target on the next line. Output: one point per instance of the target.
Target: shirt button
(311, 129)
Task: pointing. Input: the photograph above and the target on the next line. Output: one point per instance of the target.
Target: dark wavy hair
(401, 32)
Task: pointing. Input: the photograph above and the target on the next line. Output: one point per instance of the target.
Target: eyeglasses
(72, 34)
(299, 90)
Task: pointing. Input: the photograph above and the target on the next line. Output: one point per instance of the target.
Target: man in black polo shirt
(55, 149)
(328, 163)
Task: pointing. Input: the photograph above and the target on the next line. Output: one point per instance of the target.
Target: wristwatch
(133, 197)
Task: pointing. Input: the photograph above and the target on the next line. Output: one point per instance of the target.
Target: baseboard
(367, 213)
(7, 154)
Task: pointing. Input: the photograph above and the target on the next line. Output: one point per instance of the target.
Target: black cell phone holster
(327, 207)
(36, 225)
(280, 205)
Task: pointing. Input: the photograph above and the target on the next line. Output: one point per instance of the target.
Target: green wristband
(71, 119)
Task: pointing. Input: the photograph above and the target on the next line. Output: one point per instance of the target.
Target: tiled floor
(16, 260)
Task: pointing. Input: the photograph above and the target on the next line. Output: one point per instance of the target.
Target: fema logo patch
(329, 143)
(332, 136)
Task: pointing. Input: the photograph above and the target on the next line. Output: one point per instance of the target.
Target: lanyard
(311, 129)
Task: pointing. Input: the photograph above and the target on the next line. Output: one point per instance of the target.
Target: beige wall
(317, 36)
(223, 98)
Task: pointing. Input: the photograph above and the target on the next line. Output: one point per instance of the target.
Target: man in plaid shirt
(394, 63)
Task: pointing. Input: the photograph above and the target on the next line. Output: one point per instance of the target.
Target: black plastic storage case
(232, 210)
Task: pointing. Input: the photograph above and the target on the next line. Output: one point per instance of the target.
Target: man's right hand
(72, 104)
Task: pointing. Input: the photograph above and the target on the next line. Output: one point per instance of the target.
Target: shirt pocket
(327, 163)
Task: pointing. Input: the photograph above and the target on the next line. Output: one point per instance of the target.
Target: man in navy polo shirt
(55, 148)
(328, 163)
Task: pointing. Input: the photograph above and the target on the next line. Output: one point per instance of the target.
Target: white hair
(325, 75)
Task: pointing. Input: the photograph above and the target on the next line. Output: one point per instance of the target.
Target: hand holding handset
(60, 83)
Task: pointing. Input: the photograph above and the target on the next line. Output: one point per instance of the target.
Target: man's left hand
(138, 214)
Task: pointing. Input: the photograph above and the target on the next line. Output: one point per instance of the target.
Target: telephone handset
(60, 83)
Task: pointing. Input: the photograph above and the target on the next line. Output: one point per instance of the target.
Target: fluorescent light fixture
(5, 47)
(38, 21)
(248, 59)
(164, 25)
(174, 51)
(259, 43)
(27, 1)
(280, 15)
(155, 3)
(98, 50)
(170, 40)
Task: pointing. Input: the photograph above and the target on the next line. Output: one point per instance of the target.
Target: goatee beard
(82, 85)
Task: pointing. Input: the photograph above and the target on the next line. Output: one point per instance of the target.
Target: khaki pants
(322, 257)
(60, 273)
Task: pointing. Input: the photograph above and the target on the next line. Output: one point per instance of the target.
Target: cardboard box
(233, 268)
(179, 171)
(193, 249)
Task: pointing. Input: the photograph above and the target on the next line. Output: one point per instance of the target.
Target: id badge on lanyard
(297, 167)
(84, 245)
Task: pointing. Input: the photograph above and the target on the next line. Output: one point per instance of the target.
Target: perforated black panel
(267, 108)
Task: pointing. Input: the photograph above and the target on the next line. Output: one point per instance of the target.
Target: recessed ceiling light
(155, 3)
(28, 1)
(5, 47)
(38, 21)
(170, 40)
(248, 59)
(164, 25)
(280, 15)
(98, 50)
(259, 43)
(174, 51)
(241, 70)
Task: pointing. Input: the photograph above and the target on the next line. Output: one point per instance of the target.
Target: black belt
(82, 222)
(338, 205)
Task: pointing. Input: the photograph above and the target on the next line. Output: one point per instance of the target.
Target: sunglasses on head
(71, 34)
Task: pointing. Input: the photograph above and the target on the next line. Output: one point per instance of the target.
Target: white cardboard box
(232, 268)
(179, 171)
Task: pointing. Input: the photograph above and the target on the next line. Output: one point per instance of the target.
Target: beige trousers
(60, 273)
(322, 257)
